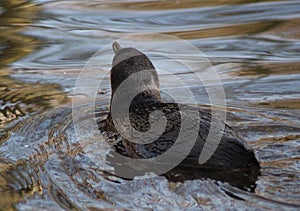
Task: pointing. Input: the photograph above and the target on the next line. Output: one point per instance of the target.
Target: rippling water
(253, 45)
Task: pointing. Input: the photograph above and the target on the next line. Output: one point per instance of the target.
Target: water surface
(253, 45)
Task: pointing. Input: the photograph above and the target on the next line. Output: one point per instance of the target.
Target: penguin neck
(146, 97)
(143, 99)
(139, 105)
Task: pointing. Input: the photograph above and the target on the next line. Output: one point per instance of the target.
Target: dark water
(253, 45)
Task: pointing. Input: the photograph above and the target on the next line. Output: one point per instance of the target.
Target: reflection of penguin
(230, 158)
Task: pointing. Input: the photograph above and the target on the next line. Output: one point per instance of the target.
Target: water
(253, 45)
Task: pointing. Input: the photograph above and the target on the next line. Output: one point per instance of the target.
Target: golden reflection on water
(16, 15)
(9, 198)
(287, 29)
(232, 30)
(282, 68)
(165, 5)
(282, 104)
(18, 98)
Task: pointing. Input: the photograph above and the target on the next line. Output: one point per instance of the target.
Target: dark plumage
(231, 154)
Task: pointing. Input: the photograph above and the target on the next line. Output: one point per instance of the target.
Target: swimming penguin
(231, 155)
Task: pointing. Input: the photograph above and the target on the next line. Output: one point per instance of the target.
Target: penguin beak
(116, 47)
